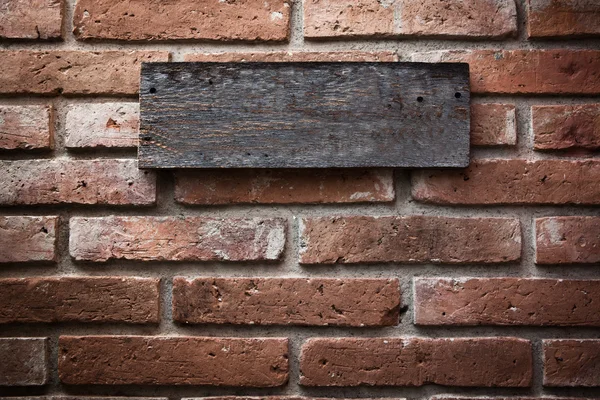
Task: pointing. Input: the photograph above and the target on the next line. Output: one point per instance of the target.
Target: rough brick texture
(571, 362)
(507, 301)
(89, 299)
(362, 18)
(64, 181)
(97, 125)
(566, 240)
(560, 71)
(569, 18)
(513, 181)
(372, 18)
(566, 127)
(284, 186)
(294, 56)
(503, 362)
(26, 127)
(493, 124)
(73, 72)
(293, 301)
(31, 19)
(27, 239)
(176, 239)
(155, 360)
(415, 239)
(24, 361)
(249, 20)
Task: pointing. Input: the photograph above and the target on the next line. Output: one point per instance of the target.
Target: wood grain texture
(301, 115)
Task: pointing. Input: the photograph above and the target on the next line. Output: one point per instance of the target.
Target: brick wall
(424, 284)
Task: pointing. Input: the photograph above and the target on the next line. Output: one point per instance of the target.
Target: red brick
(293, 301)
(566, 240)
(156, 360)
(27, 239)
(412, 239)
(572, 362)
(176, 238)
(493, 124)
(526, 71)
(507, 301)
(247, 20)
(95, 125)
(299, 56)
(372, 18)
(24, 361)
(88, 299)
(284, 186)
(64, 181)
(458, 18)
(485, 362)
(73, 72)
(556, 18)
(566, 127)
(31, 19)
(26, 127)
(511, 182)
(358, 18)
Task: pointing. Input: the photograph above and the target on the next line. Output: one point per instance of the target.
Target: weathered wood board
(304, 115)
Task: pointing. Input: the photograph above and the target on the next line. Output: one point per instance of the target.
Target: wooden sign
(304, 115)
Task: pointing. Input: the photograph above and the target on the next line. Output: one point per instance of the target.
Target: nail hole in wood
(457, 95)
(420, 99)
(152, 90)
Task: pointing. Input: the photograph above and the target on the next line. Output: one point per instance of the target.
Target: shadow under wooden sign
(304, 115)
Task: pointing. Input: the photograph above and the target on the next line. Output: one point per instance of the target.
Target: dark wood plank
(304, 115)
